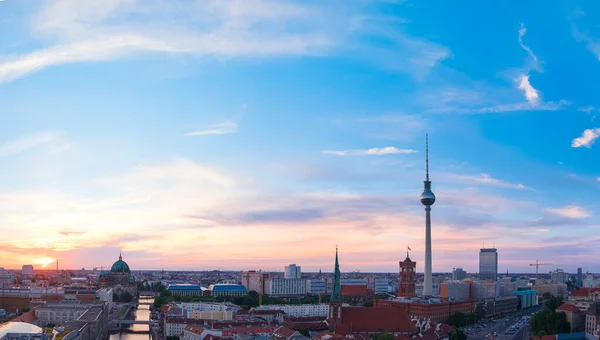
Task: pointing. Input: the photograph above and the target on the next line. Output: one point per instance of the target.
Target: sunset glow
(196, 135)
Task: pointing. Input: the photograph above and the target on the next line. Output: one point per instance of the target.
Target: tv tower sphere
(427, 197)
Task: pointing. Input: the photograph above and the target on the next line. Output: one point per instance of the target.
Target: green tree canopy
(548, 322)
(457, 334)
(384, 336)
(554, 302)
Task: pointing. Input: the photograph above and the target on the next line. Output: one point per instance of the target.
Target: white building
(379, 286)
(286, 287)
(27, 270)
(293, 272)
(299, 310)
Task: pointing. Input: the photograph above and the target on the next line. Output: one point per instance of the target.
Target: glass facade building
(488, 264)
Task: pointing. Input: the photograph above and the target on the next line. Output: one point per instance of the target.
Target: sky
(250, 134)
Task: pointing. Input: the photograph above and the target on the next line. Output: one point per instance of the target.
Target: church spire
(336, 295)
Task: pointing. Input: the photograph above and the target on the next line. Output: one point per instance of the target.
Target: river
(142, 313)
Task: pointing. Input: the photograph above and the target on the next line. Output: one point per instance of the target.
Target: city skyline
(256, 134)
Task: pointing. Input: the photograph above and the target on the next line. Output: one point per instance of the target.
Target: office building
(309, 310)
(527, 298)
(320, 286)
(458, 290)
(27, 271)
(579, 277)
(557, 276)
(293, 272)
(459, 274)
(481, 290)
(287, 287)
(488, 264)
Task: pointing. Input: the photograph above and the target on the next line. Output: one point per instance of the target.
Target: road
(501, 326)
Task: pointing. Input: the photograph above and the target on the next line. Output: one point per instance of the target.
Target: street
(502, 326)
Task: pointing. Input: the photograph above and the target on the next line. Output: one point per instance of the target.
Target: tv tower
(427, 199)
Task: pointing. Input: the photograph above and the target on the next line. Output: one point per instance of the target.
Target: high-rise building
(459, 274)
(254, 280)
(488, 264)
(407, 284)
(427, 199)
(579, 277)
(27, 270)
(293, 272)
(558, 276)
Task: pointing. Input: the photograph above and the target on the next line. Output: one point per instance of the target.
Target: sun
(44, 261)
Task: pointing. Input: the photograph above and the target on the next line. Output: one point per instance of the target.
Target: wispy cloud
(592, 45)
(488, 180)
(216, 129)
(99, 31)
(588, 138)
(523, 106)
(388, 150)
(534, 58)
(570, 211)
(587, 109)
(27, 143)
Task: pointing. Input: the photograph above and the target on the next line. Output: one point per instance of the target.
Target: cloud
(488, 180)
(531, 94)
(570, 211)
(592, 45)
(524, 106)
(588, 138)
(388, 150)
(71, 31)
(23, 144)
(216, 129)
(587, 109)
(535, 61)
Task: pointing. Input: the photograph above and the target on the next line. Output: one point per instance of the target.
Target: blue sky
(252, 134)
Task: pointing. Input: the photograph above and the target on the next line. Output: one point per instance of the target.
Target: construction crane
(537, 268)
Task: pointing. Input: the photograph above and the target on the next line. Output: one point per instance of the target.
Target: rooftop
(18, 328)
(183, 287)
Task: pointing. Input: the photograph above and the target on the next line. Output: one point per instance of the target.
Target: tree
(548, 322)
(304, 332)
(554, 302)
(460, 319)
(457, 334)
(384, 336)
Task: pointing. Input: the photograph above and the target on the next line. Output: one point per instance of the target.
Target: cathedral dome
(120, 266)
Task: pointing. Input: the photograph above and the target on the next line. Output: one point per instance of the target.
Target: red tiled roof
(327, 335)
(284, 332)
(194, 329)
(308, 325)
(569, 307)
(28, 317)
(356, 290)
(373, 320)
